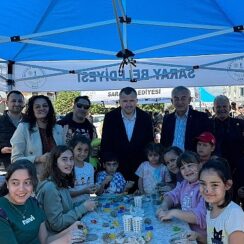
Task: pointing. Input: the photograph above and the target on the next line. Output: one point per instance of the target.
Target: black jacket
(114, 139)
(7, 129)
(197, 122)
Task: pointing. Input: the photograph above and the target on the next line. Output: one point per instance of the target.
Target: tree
(64, 102)
(98, 109)
(156, 107)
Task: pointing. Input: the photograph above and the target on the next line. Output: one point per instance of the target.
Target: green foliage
(98, 109)
(156, 107)
(64, 102)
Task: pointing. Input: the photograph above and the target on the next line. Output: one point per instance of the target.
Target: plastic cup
(137, 224)
(138, 201)
(127, 222)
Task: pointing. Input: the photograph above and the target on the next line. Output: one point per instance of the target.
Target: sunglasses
(80, 105)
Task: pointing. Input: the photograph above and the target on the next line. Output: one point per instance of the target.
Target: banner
(113, 95)
(210, 70)
(145, 96)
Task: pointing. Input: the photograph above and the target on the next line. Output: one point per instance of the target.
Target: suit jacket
(229, 136)
(27, 145)
(197, 122)
(114, 139)
(7, 129)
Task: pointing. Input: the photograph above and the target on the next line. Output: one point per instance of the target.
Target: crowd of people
(196, 159)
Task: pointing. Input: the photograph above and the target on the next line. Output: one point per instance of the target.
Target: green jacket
(58, 206)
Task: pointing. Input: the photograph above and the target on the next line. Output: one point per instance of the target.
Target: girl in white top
(152, 172)
(84, 171)
(225, 219)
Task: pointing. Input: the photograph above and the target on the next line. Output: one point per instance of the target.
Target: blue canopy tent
(106, 44)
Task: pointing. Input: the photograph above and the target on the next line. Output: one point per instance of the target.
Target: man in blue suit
(181, 127)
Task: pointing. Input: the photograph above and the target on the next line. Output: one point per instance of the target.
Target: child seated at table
(170, 156)
(186, 195)
(205, 146)
(225, 219)
(84, 171)
(152, 172)
(53, 191)
(109, 180)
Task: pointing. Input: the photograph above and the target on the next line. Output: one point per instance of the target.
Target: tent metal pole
(222, 61)
(181, 25)
(62, 72)
(191, 66)
(10, 80)
(65, 70)
(222, 69)
(70, 29)
(4, 39)
(186, 40)
(70, 47)
(124, 25)
(4, 78)
(121, 6)
(118, 26)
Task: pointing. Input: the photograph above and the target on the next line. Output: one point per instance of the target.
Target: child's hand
(90, 205)
(129, 184)
(107, 179)
(192, 235)
(161, 210)
(165, 215)
(90, 189)
(164, 189)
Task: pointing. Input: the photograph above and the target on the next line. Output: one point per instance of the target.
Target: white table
(162, 232)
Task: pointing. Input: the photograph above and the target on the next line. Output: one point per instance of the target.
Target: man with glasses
(9, 122)
(76, 122)
(181, 127)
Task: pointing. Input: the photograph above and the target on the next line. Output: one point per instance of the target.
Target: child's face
(20, 186)
(153, 158)
(190, 171)
(65, 162)
(212, 187)
(81, 152)
(204, 149)
(170, 159)
(111, 167)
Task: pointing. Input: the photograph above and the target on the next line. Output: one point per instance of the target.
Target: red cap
(207, 137)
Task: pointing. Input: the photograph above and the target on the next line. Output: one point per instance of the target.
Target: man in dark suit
(181, 127)
(8, 124)
(229, 134)
(126, 132)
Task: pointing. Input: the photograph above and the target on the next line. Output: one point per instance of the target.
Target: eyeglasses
(111, 164)
(80, 105)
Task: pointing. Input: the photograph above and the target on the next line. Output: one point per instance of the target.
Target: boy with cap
(205, 146)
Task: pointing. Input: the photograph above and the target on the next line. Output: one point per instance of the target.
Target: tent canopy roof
(81, 30)
(192, 43)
